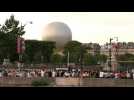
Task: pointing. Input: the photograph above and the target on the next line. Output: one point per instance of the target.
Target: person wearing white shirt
(116, 75)
(42, 73)
(66, 74)
(101, 74)
(73, 74)
(28, 75)
(128, 75)
(87, 74)
(84, 74)
(53, 74)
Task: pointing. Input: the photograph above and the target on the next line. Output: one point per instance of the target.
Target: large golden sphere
(58, 32)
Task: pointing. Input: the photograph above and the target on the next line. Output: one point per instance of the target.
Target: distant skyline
(86, 27)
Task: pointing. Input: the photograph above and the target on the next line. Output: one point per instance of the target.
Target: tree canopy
(39, 51)
(126, 57)
(8, 35)
(57, 59)
(75, 51)
(43, 51)
(36, 51)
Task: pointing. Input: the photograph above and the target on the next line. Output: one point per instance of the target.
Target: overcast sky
(85, 26)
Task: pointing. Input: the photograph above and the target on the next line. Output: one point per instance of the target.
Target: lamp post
(110, 51)
(116, 52)
(116, 46)
(81, 66)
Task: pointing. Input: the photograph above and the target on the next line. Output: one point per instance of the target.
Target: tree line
(42, 51)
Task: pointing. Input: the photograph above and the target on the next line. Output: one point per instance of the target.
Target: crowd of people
(31, 73)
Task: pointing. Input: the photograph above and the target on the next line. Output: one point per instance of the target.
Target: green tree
(32, 47)
(47, 49)
(89, 59)
(35, 50)
(9, 32)
(57, 59)
(38, 58)
(125, 57)
(101, 58)
(2, 45)
(42, 82)
(74, 49)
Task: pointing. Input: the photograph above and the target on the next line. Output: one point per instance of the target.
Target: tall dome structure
(58, 32)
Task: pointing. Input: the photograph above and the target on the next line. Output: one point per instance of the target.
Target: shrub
(41, 82)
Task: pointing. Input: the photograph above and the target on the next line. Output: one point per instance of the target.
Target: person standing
(42, 73)
(116, 75)
(128, 75)
(73, 74)
(28, 74)
(0, 74)
(101, 75)
(133, 75)
(53, 74)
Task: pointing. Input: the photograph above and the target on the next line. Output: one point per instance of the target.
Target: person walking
(53, 74)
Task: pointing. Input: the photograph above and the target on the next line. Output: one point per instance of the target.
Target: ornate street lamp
(110, 51)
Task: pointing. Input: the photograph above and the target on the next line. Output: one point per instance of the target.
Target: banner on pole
(20, 45)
